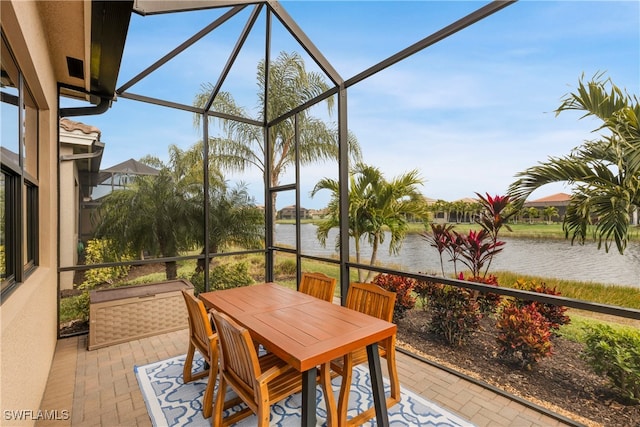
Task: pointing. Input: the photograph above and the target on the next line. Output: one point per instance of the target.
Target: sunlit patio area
(210, 189)
(99, 387)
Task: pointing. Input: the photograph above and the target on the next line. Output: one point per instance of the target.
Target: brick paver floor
(99, 387)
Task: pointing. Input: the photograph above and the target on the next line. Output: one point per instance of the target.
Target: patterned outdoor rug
(170, 402)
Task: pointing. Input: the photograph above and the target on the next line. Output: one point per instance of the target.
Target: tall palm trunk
(357, 246)
(374, 253)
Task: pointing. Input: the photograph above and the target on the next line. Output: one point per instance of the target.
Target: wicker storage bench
(124, 314)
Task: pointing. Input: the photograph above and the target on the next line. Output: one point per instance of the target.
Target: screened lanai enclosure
(246, 122)
(273, 112)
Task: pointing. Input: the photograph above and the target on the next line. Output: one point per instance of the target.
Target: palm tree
(290, 86)
(187, 167)
(549, 212)
(514, 212)
(234, 218)
(441, 206)
(532, 213)
(606, 172)
(459, 207)
(375, 205)
(165, 214)
(152, 214)
(472, 210)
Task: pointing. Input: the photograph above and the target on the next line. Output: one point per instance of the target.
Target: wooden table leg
(329, 398)
(382, 416)
(309, 397)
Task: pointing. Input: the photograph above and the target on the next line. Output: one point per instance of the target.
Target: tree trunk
(171, 270)
(374, 253)
(357, 246)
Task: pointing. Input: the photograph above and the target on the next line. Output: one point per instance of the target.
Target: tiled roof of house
(70, 126)
(558, 197)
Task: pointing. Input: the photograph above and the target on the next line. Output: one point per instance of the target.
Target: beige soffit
(68, 28)
(150, 7)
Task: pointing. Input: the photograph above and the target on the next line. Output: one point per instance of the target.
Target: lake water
(547, 258)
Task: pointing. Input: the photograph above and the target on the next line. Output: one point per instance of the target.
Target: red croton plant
(475, 249)
(524, 327)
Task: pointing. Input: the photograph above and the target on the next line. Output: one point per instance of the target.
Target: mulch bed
(563, 383)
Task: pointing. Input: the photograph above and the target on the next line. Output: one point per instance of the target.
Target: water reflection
(548, 258)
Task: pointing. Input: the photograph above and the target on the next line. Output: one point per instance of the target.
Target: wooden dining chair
(372, 300)
(318, 285)
(202, 338)
(258, 381)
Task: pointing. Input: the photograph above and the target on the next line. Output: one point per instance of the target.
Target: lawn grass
(575, 330)
(623, 296)
(185, 270)
(522, 230)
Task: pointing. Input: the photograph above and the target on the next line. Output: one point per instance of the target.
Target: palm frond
(606, 171)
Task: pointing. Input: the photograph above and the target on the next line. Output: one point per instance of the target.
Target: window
(31, 226)
(19, 177)
(3, 234)
(9, 231)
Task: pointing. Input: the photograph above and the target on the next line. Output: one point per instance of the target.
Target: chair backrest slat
(318, 285)
(372, 300)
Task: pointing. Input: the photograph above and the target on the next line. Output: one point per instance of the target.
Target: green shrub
(223, 276)
(422, 289)
(99, 251)
(197, 280)
(286, 267)
(75, 307)
(524, 334)
(455, 314)
(615, 353)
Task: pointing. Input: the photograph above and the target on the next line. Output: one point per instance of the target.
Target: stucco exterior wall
(28, 316)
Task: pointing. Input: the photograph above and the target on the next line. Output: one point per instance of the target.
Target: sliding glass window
(19, 178)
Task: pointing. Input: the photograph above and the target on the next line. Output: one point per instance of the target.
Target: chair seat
(285, 384)
(358, 357)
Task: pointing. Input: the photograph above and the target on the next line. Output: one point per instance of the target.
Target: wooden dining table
(307, 332)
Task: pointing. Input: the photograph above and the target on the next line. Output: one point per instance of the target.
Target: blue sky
(469, 112)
